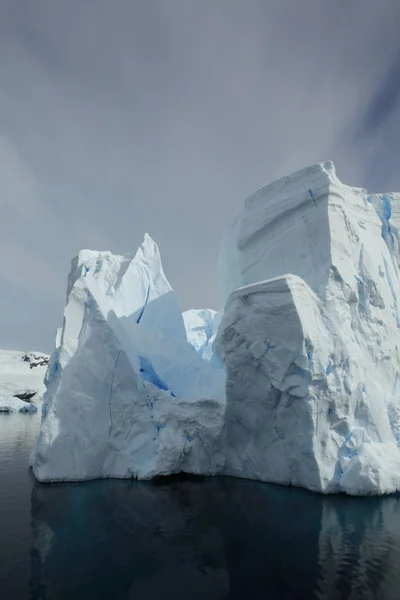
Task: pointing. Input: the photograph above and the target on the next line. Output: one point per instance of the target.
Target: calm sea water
(194, 539)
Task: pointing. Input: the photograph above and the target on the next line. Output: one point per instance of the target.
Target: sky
(120, 117)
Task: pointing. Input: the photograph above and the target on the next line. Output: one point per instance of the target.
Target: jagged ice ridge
(295, 381)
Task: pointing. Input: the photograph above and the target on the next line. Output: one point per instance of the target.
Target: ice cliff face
(311, 342)
(127, 395)
(296, 381)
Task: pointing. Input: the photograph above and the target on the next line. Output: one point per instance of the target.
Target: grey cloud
(124, 117)
(386, 100)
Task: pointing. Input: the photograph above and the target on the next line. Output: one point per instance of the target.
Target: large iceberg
(295, 381)
(310, 336)
(127, 395)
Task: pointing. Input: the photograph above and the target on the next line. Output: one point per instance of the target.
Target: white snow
(295, 381)
(201, 329)
(21, 374)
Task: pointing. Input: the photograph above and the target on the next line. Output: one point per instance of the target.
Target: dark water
(212, 538)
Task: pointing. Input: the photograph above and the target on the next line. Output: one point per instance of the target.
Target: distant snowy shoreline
(21, 380)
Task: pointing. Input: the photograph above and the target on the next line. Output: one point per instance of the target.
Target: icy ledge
(296, 381)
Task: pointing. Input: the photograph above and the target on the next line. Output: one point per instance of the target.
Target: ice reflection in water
(211, 538)
(195, 539)
(359, 548)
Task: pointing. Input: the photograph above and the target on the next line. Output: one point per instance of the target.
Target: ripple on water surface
(196, 538)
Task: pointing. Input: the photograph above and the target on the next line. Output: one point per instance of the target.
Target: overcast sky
(119, 117)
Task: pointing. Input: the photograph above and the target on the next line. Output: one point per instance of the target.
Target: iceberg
(295, 381)
(127, 395)
(310, 336)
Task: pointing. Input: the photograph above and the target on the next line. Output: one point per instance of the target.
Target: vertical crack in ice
(146, 299)
(111, 391)
(362, 292)
(383, 208)
(311, 193)
(386, 227)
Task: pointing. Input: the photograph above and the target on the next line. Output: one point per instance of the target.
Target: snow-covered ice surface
(296, 381)
(127, 395)
(21, 380)
(310, 341)
(201, 329)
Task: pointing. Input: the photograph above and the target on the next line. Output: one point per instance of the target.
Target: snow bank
(10, 404)
(21, 380)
